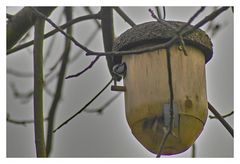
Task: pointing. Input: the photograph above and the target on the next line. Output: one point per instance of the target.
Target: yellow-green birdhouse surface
(147, 95)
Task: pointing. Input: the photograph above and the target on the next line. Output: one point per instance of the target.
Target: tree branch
(104, 106)
(223, 116)
(20, 122)
(47, 35)
(21, 22)
(164, 45)
(88, 9)
(108, 33)
(84, 107)
(208, 18)
(38, 88)
(221, 119)
(89, 40)
(85, 69)
(18, 73)
(193, 150)
(124, 16)
(58, 92)
(61, 30)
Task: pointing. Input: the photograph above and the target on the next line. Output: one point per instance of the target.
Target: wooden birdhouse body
(148, 91)
(147, 95)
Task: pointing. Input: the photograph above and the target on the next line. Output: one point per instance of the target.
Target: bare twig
(38, 88)
(18, 73)
(208, 18)
(221, 119)
(166, 44)
(193, 150)
(85, 69)
(50, 45)
(158, 12)
(108, 33)
(60, 83)
(60, 30)
(21, 95)
(166, 133)
(76, 20)
(20, 122)
(103, 107)
(178, 31)
(164, 12)
(223, 116)
(124, 16)
(165, 23)
(142, 50)
(84, 107)
(89, 10)
(21, 22)
(25, 96)
(193, 17)
(89, 40)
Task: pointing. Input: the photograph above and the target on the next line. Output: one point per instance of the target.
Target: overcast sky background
(108, 135)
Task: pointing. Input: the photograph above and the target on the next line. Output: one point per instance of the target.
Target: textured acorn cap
(157, 33)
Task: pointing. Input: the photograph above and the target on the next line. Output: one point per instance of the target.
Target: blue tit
(120, 70)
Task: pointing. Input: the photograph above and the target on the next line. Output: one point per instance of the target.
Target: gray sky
(108, 135)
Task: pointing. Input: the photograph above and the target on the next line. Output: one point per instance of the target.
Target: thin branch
(164, 45)
(25, 96)
(38, 88)
(89, 40)
(85, 69)
(18, 73)
(52, 41)
(192, 18)
(179, 31)
(89, 10)
(60, 83)
(193, 150)
(108, 33)
(84, 107)
(168, 131)
(20, 122)
(60, 30)
(21, 22)
(70, 23)
(124, 16)
(164, 12)
(103, 107)
(208, 18)
(221, 119)
(158, 12)
(54, 66)
(223, 116)
(142, 50)
(166, 23)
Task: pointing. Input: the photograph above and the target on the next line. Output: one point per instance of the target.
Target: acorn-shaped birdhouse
(149, 106)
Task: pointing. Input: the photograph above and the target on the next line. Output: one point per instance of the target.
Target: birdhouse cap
(157, 33)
